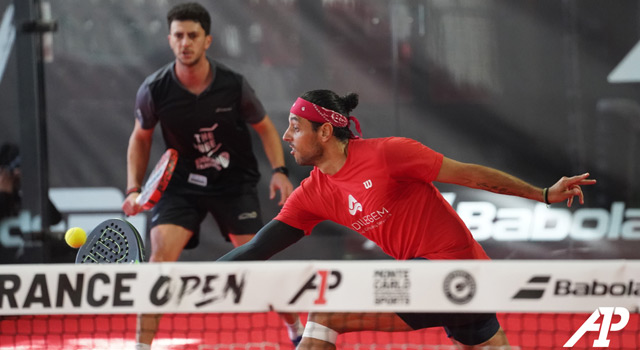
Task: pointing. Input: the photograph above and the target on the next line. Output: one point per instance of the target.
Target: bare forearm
(137, 159)
(271, 142)
(497, 181)
(493, 180)
(273, 150)
(488, 179)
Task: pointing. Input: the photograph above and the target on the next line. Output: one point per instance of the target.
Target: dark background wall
(517, 85)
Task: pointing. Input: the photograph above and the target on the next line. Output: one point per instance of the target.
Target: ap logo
(592, 325)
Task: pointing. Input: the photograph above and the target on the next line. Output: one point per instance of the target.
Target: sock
(141, 346)
(295, 329)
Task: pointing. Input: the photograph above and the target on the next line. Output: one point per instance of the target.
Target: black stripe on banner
(529, 294)
(539, 279)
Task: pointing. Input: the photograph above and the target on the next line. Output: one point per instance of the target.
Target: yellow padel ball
(75, 237)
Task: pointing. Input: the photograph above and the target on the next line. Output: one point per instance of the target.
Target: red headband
(313, 112)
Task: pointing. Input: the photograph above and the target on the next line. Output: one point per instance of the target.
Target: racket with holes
(114, 241)
(158, 180)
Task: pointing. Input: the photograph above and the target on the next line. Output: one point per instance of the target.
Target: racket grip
(138, 199)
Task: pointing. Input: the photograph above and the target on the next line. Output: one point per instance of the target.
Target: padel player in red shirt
(383, 189)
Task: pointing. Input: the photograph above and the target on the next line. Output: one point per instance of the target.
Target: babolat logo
(328, 280)
(539, 224)
(567, 287)
(535, 288)
(537, 285)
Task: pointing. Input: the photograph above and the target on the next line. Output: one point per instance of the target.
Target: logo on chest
(205, 143)
(368, 221)
(354, 206)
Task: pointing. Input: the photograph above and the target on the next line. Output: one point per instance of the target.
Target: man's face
(188, 41)
(303, 140)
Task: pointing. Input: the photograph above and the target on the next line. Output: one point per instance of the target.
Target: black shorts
(468, 329)
(236, 214)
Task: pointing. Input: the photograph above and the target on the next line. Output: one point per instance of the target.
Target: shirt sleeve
(271, 239)
(297, 210)
(251, 108)
(408, 159)
(145, 111)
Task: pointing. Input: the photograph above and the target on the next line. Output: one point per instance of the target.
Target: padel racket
(158, 180)
(113, 241)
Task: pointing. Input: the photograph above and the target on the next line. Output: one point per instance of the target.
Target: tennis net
(541, 304)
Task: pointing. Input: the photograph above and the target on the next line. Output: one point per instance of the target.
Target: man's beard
(316, 153)
(193, 63)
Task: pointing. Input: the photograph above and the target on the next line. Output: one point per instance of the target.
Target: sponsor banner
(134, 288)
(513, 219)
(371, 286)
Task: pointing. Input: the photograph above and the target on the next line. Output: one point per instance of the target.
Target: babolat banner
(516, 219)
(510, 227)
(362, 286)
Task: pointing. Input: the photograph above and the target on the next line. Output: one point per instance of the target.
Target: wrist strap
(545, 194)
(133, 190)
(282, 170)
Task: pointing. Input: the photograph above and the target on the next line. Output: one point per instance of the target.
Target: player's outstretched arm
(271, 239)
(493, 180)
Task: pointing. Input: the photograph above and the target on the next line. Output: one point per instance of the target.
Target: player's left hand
(280, 182)
(568, 187)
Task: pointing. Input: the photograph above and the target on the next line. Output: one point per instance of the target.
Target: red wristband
(133, 190)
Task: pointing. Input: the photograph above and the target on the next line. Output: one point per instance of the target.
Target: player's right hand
(280, 182)
(130, 207)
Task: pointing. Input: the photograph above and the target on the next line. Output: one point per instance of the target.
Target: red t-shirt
(384, 191)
